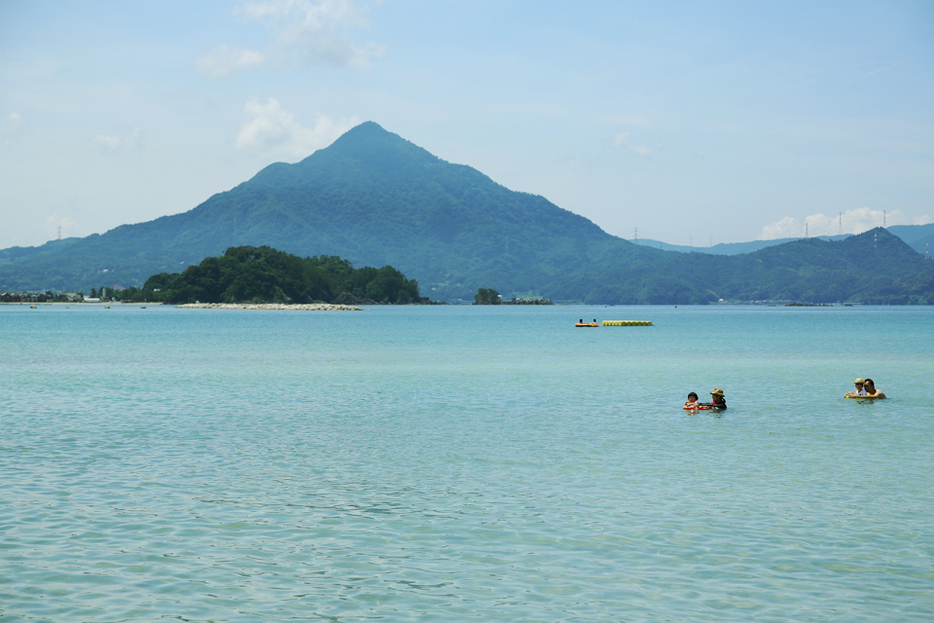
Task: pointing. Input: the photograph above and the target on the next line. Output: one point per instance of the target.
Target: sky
(686, 122)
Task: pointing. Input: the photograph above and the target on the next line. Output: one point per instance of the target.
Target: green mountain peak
(376, 199)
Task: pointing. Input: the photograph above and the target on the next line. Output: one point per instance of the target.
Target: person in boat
(692, 401)
(717, 399)
(871, 391)
(860, 390)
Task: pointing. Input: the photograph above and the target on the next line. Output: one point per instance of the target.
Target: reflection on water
(463, 464)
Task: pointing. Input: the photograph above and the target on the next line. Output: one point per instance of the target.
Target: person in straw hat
(717, 399)
(860, 390)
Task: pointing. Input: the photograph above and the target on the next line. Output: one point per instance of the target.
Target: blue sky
(693, 123)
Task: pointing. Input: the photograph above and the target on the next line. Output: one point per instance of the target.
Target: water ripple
(470, 479)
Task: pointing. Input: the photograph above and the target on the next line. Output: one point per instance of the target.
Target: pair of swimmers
(865, 389)
(717, 400)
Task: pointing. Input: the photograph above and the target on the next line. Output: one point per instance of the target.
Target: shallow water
(464, 463)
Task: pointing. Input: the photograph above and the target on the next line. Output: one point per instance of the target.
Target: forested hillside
(376, 199)
(873, 268)
(265, 275)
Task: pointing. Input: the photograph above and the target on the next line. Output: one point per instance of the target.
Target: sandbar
(272, 306)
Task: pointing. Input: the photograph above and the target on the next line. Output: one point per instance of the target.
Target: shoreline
(272, 306)
(100, 304)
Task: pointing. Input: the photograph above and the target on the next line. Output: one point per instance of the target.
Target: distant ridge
(874, 267)
(726, 248)
(377, 199)
(918, 237)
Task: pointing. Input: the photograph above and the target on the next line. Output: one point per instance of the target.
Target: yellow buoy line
(627, 323)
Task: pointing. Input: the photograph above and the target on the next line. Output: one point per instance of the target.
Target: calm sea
(465, 464)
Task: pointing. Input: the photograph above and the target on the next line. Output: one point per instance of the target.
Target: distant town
(52, 297)
(42, 297)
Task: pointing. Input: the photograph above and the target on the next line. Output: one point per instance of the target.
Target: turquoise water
(465, 464)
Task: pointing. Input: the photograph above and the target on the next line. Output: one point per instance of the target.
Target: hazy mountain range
(375, 199)
(918, 237)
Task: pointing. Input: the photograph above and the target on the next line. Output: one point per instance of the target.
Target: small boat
(586, 324)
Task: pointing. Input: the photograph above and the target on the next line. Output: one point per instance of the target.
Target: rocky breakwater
(272, 306)
(518, 301)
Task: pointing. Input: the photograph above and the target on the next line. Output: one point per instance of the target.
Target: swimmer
(717, 399)
(692, 401)
(859, 392)
(871, 391)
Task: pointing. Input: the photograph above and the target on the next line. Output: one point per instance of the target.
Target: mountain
(377, 199)
(918, 237)
(873, 268)
(728, 248)
(371, 197)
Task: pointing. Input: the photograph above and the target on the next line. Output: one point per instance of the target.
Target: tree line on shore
(380, 200)
(39, 297)
(249, 274)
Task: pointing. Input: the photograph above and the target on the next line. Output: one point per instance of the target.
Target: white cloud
(642, 150)
(310, 14)
(273, 130)
(337, 50)
(9, 125)
(224, 61)
(118, 142)
(850, 222)
(788, 227)
(622, 139)
(11, 122)
(310, 31)
(637, 121)
(306, 32)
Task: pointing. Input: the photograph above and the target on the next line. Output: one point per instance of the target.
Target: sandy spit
(273, 306)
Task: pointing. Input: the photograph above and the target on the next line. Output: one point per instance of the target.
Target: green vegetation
(487, 296)
(40, 297)
(155, 290)
(379, 200)
(372, 198)
(872, 268)
(265, 275)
